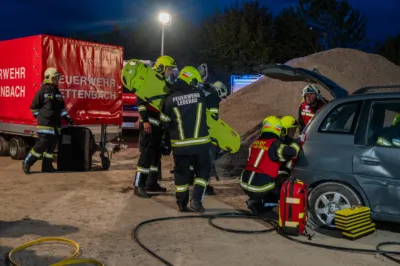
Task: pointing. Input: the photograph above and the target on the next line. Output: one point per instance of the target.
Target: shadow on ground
(27, 226)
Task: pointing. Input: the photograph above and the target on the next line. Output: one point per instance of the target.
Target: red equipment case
(293, 207)
(90, 84)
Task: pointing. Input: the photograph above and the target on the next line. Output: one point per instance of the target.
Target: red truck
(90, 84)
(130, 113)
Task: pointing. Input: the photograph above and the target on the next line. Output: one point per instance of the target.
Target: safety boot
(155, 188)
(141, 192)
(210, 190)
(253, 206)
(182, 206)
(197, 206)
(27, 163)
(47, 166)
(26, 167)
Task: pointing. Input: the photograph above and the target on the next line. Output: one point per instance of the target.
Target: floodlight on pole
(165, 19)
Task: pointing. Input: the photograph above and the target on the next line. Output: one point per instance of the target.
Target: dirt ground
(97, 210)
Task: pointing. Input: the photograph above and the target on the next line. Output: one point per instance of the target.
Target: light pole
(165, 20)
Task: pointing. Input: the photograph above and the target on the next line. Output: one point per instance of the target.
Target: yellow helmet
(396, 120)
(288, 122)
(162, 62)
(191, 76)
(272, 124)
(51, 73)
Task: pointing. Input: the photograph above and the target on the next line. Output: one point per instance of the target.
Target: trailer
(90, 84)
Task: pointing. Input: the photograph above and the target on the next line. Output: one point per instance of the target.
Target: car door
(376, 167)
(288, 73)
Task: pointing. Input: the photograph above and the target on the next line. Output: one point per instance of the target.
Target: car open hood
(288, 73)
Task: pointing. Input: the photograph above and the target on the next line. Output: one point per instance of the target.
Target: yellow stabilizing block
(354, 222)
(68, 261)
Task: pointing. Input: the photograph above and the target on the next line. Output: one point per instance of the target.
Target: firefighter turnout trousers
(150, 156)
(201, 166)
(213, 155)
(259, 187)
(44, 146)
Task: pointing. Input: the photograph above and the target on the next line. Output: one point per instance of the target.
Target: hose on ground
(211, 218)
(68, 261)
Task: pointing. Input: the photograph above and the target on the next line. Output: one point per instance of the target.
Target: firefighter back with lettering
(48, 107)
(214, 93)
(289, 127)
(184, 115)
(150, 138)
(267, 154)
(312, 102)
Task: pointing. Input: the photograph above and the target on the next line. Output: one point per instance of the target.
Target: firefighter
(48, 108)
(150, 138)
(312, 102)
(184, 115)
(267, 154)
(390, 137)
(214, 93)
(289, 127)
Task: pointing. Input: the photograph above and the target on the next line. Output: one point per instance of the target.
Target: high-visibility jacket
(184, 115)
(267, 154)
(307, 112)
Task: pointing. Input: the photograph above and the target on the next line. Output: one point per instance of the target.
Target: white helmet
(310, 88)
(220, 89)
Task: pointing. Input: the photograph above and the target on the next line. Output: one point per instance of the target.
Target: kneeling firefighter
(151, 138)
(267, 154)
(184, 116)
(289, 127)
(48, 107)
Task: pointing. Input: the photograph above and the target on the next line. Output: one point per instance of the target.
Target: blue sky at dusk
(26, 17)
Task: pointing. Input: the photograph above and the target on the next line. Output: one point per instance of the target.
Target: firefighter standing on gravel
(214, 93)
(289, 127)
(267, 154)
(48, 107)
(312, 102)
(184, 115)
(150, 138)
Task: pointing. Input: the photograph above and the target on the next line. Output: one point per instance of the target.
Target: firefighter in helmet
(214, 93)
(312, 102)
(151, 137)
(390, 137)
(184, 115)
(289, 127)
(48, 108)
(267, 154)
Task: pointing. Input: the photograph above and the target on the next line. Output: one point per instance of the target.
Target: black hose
(135, 235)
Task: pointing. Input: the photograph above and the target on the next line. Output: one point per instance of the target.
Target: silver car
(340, 160)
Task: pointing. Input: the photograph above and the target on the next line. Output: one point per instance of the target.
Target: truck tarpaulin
(90, 83)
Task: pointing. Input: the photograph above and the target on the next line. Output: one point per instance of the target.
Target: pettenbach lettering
(186, 99)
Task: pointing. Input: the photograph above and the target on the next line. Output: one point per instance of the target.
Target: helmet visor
(174, 75)
(203, 70)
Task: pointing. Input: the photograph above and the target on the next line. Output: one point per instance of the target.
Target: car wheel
(327, 198)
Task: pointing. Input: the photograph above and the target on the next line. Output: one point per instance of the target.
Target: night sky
(26, 17)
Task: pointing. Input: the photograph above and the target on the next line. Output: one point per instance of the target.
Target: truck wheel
(327, 198)
(17, 148)
(105, 163)
(4, 147)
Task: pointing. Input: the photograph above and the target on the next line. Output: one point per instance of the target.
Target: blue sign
(238, 82)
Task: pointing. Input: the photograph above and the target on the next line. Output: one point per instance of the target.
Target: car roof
(369, 96)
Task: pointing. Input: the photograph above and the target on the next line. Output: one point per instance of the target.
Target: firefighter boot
(27, 163)
(152, 183)
(210, 190)
(196, 206)
(182, 199)
(47, 165)
(182, 206)
(141, 192)
(253, 206)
